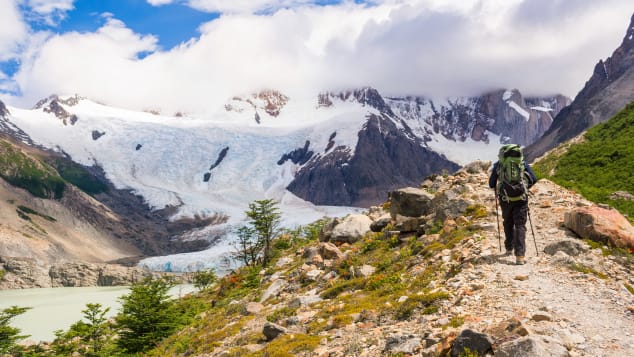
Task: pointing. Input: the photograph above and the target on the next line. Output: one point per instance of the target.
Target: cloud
(50, 12)
(159, 2)
(419, 47)
(244, 6)
(13, 30)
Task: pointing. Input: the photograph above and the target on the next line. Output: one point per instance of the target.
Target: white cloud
(159, 2)
(46, 7)
(428, 47)
(13, 30)
(243, 6)
(50, 12)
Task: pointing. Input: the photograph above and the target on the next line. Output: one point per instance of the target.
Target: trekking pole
(532, 231)
(497, 218)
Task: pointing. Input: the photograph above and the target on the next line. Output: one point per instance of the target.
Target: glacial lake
(58, 308)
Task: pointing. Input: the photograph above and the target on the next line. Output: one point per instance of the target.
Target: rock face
(27, 273)
(270, 101)
(382, 161)
(4, 112)
(506, 113)
(394, 147)
(609, 89)
(601, 225)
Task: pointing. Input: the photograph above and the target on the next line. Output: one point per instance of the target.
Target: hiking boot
(520, 260)
(508, 253)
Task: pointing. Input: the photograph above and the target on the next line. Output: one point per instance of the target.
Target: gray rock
(364, 270)
(273, 289)
(330, 251)
(569, 247)
(271, 330)
(532, 346)
(477, 342)
(380, 224)
(398, 343)
(347, 230)
(409, 224)
(448, 204)
(410, 202)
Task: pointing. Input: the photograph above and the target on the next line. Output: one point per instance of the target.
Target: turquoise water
(58, 308)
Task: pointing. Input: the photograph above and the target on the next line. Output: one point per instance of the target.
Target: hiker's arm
(493, 179)
(530, 174)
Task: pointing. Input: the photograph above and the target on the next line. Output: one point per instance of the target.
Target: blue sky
(191, 55)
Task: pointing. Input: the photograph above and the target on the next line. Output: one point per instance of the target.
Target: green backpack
(511, 185)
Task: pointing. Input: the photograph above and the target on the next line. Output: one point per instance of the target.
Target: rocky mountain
(415, 127)
(313, 155)
(424, 276)
(609, 89)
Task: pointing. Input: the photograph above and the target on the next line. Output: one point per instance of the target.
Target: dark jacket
(530, 175)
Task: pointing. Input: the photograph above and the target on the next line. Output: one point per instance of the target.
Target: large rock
(347, 230)
(271, 330)
(601, 225)
(449, 204)
(473, 341)
(532, 346)
(569, 247)
(410, 202)
(380, 223)
(401, 343)
(330, 251)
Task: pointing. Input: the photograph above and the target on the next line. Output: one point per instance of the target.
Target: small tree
(147, 315)
(85, 337)
(248, 247)
(10, 335)
(264, 217)
(204, 278)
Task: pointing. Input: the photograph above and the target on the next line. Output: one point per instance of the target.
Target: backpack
(512, 184)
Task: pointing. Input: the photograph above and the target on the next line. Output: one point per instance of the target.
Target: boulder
(410, 202)
(532, 346)
(602, 225)
(400, 343)
(448, 204)
(477, 167)
(347, 230)
(409, 224)
(271, 330)
(380, 223)
(477, 342)
(569, 247)
(330, 251)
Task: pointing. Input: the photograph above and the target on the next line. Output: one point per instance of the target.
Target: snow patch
(507, 95)
(520, 110)
(542, 109)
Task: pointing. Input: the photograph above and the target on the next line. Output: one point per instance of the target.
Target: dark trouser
(514, 215)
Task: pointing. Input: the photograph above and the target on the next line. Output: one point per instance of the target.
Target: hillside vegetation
(599, 165)
(44, 177)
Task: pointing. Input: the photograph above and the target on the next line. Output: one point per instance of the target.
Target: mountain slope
(609, 90)
(600, 164)
(54, 209)
(404, 293)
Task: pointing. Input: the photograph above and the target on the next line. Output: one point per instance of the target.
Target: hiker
(511, 178)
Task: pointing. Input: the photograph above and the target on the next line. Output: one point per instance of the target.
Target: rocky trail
(430, 280)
